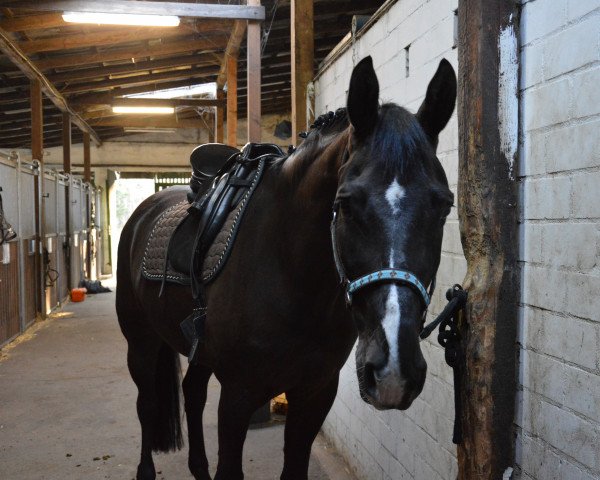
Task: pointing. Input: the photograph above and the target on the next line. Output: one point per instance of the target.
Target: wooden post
(67, 170)
(487, 200)
(219, 117)
(87, 159)
(302, 45)
(253, 88)
(66, 142)
(232, 108)
(37, 153)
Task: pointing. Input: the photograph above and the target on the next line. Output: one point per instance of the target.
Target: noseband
(387, 275)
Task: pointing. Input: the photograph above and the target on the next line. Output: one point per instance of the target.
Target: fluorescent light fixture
(150, 130)
(140, 110)
(121, 19)
(209, 89)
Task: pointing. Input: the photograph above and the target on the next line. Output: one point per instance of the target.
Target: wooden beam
(231, 51)
(131, 68)
(219, 117)
(87, 158)
(66, 138)
(302, 48)
(37, 153)
(99, 39)
(135, 121)
(32, 22)
(107, 99)
(20, 60)
(232, 101)
(37, 122)
(215, 42)
(140, 79)
(253, 66)
(180, 9)
(488, 214)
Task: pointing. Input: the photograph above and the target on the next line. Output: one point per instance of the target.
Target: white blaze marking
(394, 194)
(391, 320)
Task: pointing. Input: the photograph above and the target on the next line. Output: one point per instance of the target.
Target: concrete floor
(67, 408)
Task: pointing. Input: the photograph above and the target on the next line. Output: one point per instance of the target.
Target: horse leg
(154, 368)
(236, 406)
(195, 385)
(306, 413)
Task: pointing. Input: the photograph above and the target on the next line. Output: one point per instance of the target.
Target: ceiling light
(209, 89)
(121, 19)
(150, 130)
(158, 110)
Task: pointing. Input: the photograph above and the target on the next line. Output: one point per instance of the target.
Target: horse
(364, 193)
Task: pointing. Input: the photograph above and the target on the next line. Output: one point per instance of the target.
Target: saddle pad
(153, 263)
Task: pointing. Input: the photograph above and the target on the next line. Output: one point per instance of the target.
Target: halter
(388, 275)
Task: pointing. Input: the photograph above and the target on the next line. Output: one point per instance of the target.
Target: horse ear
(437, 108)
(363, 98)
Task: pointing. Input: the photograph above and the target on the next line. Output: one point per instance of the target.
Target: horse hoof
(145, 472)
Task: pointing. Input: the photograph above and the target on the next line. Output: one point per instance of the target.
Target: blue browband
(388, 275)
(384, 275)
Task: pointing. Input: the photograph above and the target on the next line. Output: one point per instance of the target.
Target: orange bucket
(78, 294)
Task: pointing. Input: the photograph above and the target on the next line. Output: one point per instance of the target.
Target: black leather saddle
(222, 184)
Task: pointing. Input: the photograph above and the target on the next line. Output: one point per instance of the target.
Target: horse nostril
(373, 374)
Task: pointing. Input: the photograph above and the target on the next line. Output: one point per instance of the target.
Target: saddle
(222, 183)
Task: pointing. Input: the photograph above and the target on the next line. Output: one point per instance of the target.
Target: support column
(232, 108)
(66, 140)
(253, 88)
(487, 207)
(37, 153)
(302, 44)
(219, 117)
(87, 159)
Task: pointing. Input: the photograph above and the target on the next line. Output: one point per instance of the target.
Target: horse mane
(405, 152)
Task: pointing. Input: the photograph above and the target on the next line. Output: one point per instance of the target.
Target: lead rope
(449, 339)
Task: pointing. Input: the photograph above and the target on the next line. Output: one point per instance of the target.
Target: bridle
(387, 275)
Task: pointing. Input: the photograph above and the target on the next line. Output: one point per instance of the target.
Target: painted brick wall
(558, 406)
(416, 443)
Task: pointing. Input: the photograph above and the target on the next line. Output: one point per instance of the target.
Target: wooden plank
(107, 99)
(302, 49)
(231, 51)
(219, 117)
(135, 121)
(99, 39)
(87, 158)
(66, 137)
(180, 9)
(20, 60)
(32, 22)
(132, 68)
(232, 101)
(215, 42)
(140, 79)
(253, 65)
(488, 215)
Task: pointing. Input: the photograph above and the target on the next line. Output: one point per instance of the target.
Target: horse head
(390, 208)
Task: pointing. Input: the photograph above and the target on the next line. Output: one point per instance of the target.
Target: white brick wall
(416, 444)
(558, 405)
(558, 399)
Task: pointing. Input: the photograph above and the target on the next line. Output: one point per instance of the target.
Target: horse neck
(312, 180)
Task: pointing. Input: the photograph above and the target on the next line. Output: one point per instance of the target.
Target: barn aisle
(68, 408)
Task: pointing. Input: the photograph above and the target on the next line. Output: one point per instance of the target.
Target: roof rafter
(20, 59)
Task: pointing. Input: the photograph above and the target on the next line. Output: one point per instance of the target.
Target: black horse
(278, 318)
